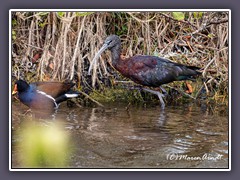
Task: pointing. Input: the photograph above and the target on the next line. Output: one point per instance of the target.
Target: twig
(67, 22)
(30, 38)
(199, 91)
(217, 22)
(93, 100)
(33, 46)
(77, 47)
(207, 66)
(139, 20)
(205, 25)
(126, 82)
(185, 22)
(205, 85)
(183, 93)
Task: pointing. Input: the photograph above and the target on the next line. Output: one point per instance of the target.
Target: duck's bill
(14, 90)
(94, 61)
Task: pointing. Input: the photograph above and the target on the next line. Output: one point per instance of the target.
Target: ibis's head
(110, 42)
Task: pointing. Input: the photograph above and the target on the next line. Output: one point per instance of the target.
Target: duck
(43, 95)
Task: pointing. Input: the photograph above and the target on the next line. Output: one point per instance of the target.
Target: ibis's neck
(116, 52)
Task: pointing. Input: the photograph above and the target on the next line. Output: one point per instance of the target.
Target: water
(186, 136)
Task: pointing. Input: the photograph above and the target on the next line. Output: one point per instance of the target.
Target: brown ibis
(150, 71)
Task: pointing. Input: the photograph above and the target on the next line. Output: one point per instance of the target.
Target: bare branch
(182, 21)
(217, 22)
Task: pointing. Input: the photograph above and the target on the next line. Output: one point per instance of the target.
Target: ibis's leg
(160, 95)
(163, 91)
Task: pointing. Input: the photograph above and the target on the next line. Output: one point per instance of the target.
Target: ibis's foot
(160, 96)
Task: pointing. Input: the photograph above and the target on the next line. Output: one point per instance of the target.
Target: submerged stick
(93, 100)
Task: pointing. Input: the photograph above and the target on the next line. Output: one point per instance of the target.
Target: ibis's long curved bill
(94, 61)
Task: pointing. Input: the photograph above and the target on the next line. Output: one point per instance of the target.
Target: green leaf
(42, 24)
(197, 15)
(61, 14)
(210, 35)
(43, 13)
(14, 34)
(178, 15)
(83, 13)
(14, 22)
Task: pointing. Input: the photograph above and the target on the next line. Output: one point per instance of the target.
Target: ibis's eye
(109, 42)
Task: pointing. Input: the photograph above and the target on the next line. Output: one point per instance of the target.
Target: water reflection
(139, 137)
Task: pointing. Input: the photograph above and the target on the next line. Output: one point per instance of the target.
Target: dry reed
(61, 45)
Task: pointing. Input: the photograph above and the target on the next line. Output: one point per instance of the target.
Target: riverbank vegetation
(59, 46)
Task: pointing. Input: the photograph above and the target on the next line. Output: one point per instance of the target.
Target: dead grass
(59, 46)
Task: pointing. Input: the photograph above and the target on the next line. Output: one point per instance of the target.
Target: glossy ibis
(151, 71)
(43, 95)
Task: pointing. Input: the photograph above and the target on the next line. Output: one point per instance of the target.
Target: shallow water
(186, 136)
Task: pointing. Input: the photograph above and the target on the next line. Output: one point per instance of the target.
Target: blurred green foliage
(43, 146)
